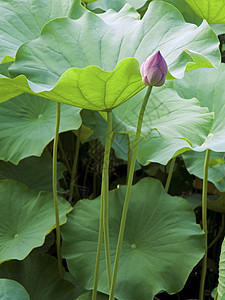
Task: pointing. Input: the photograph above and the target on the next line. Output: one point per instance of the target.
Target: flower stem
(54, 187)
(204, 223)
(105, 189)
(103, 226)
(128, 158)
(167, 186)
(127, 197)
(74, 169)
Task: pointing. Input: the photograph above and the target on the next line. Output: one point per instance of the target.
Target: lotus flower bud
(154, 70)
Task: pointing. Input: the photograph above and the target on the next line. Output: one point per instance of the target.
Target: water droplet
(40, 116)
(16, 236)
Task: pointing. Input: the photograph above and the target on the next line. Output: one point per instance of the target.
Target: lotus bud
(154, 70)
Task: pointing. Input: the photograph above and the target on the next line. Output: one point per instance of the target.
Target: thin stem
(167, 186)
(216, 297)
(54, 187)
(128, 158)
(204, 223)
(103, 226)
(74, 169)
(127, 197)
(105, 189)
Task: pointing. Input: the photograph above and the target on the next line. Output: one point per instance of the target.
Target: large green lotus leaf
(115, 4)
(40, 180)
(26, 217)
(191, 17)
(221, 285)
(38, 273)
(111, 15)
(105, 90)
(208, 86)
(213, 11)
(27, 125)
(188, 14)
(171, 124)
(165, 112)
(155, 241)
(22, 21)
(160, 150)
(194, 162)
(10, 289)
(67, 42)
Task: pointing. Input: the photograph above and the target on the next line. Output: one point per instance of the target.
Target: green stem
(170, 174)
(103, 226)
(128, 158)
(127, 197)
(74, 169)
(105, 189)
(54, 186)
(216, 297)
(204, 223)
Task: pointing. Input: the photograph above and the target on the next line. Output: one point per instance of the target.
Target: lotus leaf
(155, 241)
(26, 217)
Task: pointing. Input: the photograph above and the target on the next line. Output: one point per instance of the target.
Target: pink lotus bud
(154, 70)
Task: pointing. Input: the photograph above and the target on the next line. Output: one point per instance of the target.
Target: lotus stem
(54, 187)
(204, 223)
(104, 226)
(167, 186)
(127, 197)
(128, 158)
